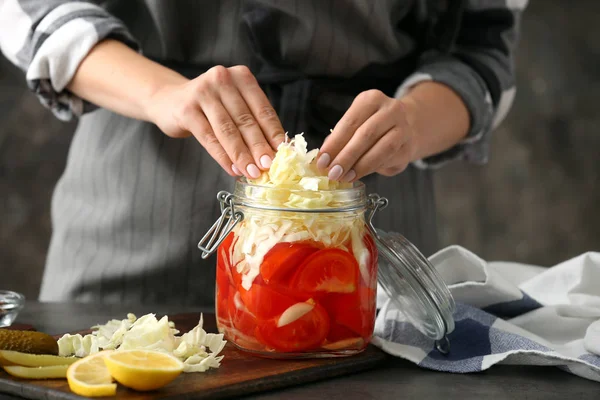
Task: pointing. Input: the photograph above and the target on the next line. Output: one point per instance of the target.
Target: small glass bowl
(11, 303)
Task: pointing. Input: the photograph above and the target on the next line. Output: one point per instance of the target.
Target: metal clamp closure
(222, 227)
(374, 204)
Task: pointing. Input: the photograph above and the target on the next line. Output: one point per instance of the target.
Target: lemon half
(89, 376)
(143, 370)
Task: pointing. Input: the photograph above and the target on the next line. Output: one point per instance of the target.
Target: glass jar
(293, 281)
(298, 281)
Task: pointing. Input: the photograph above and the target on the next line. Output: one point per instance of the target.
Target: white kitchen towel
(507, 313)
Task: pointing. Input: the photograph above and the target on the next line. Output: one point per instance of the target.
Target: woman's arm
(480, 69)
(115, 77)
(77, 56)
(383, 134)
(49, 39)
(439, 117)
(224, 108)
(446, 110)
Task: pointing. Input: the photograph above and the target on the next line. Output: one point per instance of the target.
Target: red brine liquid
(307, 299)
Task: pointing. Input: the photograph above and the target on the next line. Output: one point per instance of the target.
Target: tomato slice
(284, 258)
(222, 302)
(339, 332)
(222, 288)
(327, 270)
(368, 273)
(224, 249)
(223, 273)
(222, 281)
(265, 302)
(241, 319)
(372, 247)
(305, 333)
(236, 277)
(223, 258)
(354, 311)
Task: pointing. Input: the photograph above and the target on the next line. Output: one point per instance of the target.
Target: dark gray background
(537, 201)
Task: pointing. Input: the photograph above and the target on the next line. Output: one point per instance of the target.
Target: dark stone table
(397, 379)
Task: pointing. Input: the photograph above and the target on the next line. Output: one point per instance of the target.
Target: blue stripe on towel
(511, 309)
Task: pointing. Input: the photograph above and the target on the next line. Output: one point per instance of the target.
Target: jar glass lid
(413, 284)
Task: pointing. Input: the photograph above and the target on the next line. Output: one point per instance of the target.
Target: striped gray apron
(132, 203)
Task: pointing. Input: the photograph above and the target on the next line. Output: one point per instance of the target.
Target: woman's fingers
(228, 113)
(365, 137)
(196, 123)
(241, 117)
(259, 105)
(246, 122)
(371, 137)
(377, 158)
(363, 107)
(229, 136)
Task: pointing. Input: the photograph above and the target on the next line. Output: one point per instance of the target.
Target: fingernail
(323, 161)
(349, 176)
(235, 170)
(253, 171)
(266, 161)
(335, 173)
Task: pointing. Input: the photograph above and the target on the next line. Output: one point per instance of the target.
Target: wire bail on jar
(375, 203)
(223, 225)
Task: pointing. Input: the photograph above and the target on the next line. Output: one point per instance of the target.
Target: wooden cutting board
(240, 373)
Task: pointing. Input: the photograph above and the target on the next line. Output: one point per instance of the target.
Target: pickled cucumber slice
(51, 372)
(28, 342)
(8, 357)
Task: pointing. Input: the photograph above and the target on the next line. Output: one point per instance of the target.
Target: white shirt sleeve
(48, 39)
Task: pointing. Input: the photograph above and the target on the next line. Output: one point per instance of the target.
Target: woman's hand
(380, 134)
(374, 135)
(227, 112)
(224, 108)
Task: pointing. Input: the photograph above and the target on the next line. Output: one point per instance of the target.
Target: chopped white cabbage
(192, 349)
(149, 333)
(77, 345)
(362, 255)
(294, 313)
(202, 362)
(294, 182)
(294, 168)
